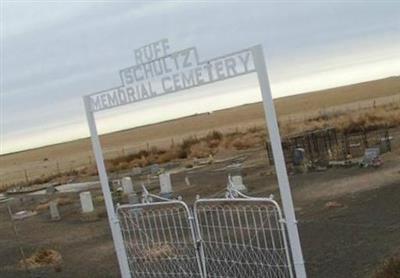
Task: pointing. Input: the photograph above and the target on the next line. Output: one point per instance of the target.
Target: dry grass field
(356, 237)
(368, 104)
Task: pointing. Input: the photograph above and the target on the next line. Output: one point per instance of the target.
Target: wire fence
(326, 145)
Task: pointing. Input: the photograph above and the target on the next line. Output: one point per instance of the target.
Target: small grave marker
(237, 183)
(86, 202)
(54, 213)
(187, 181)
(371, 158)
(127, 185)
(165, 185)
(137, 171)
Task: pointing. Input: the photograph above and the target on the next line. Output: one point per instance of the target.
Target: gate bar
(280, 166)
(105, 188)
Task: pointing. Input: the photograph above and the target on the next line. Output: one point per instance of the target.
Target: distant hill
(338, 96)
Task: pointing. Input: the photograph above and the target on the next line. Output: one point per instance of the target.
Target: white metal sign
(158, 72)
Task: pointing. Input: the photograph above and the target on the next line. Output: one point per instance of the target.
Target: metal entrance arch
(121, 95)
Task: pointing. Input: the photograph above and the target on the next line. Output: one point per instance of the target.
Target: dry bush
(214, 135)
(214, 139)
(174, 152)
(389, 269)
(200, 150)
(255, 129)
(123, 165)
(246, 141)
(42, 258)
(348, 122)
(214, 144)
(159, 252)
(62, 201)
(187, 144)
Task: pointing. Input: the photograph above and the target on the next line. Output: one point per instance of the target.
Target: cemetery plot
(321, 147)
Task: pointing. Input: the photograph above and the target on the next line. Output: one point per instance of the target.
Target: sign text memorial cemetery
(158, 72)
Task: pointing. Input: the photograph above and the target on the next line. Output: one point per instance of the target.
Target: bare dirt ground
(346, 241)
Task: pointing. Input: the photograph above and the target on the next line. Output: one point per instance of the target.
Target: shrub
(214, 135)
(186, 145)
(246, 141)
(389, 269)
(200, 150)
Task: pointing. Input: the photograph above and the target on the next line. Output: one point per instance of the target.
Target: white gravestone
(86, 202)
(127, 185)
(237, 183)
(165, 185)
(187, 181)
(54, 213)
(136, 171)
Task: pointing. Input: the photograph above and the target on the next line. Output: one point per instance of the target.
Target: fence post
(26, 176)
(344, 145)
(17, 237)
(365, 139)
(58, 167)
(387, 139)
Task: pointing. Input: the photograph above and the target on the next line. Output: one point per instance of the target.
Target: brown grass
(389, 269)
(216, 141)
(159, 252)
(61, 201)
(365, 119)
(300, 109)
(42, 258)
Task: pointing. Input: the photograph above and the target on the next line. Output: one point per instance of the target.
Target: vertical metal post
(112, 218)
(18, 239)
(58, 167)
(280, 165)
(26, 176)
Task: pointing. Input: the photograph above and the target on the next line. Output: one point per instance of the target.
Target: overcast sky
(55, 52)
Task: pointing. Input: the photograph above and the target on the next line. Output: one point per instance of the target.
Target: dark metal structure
(324, 145)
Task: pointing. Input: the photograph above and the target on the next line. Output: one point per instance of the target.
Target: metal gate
(160, 240)
(242, 238)
(237, 236)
